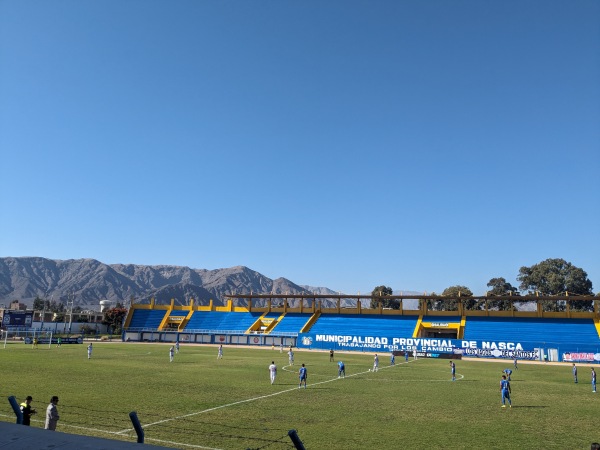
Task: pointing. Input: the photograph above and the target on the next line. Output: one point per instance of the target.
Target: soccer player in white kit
(273, 371)
(376, 363)
(220, 355)
(90, 351)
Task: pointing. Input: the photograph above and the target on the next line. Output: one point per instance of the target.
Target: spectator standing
(52, 414)
(27, 410)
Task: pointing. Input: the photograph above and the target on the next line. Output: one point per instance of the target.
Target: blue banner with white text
(434, 347)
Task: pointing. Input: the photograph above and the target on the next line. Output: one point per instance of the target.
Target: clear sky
(346, 144)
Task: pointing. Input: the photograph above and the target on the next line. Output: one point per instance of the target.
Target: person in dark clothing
(27, 410)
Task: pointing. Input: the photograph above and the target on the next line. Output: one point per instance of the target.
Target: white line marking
(179, 444)
(250, 400)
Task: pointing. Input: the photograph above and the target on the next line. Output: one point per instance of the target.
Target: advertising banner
(425, 347)
(17, 319)
(46, 340)
(581, 357)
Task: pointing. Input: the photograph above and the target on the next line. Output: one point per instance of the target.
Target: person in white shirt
(52, 414)
(376, 363)
(273, 371)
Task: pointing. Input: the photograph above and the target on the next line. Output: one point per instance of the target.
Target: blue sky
(345, 144)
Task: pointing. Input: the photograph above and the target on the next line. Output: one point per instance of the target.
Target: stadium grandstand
(554, 328)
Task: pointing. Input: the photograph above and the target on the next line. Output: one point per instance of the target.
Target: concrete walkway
(19, 437)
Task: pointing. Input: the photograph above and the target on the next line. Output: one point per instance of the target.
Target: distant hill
(88, 281)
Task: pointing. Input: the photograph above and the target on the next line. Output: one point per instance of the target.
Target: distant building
(15, 305)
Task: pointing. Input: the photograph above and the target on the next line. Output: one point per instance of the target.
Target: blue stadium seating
(365, 325)
(221, 321)
(147, 318)
(578, 335)
(238, 322)
(291, 323)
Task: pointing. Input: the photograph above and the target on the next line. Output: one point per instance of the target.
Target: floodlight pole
(43, 312)
(71, 313)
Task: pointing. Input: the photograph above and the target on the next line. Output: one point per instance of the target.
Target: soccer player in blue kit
(508, 373)
(302, 375)
(341, 370)
(505, 390)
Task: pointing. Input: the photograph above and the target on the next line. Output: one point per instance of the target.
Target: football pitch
(198, 401)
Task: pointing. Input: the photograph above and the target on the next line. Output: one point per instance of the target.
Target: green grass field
(201, 402)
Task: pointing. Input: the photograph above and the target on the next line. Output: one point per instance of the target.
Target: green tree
(55, 307)
(556, 277)
(381, 291)
(114, 317)
(59, 317)
(451, 304)
(38, 304)
(500, 287)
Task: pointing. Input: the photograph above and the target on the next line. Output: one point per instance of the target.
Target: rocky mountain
(87, 281)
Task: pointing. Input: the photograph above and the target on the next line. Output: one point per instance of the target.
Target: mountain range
(88, 281)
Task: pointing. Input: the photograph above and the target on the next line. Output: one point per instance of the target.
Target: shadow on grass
(529, 406)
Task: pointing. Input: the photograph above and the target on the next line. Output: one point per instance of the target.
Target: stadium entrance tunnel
(441, 334)
(443, 328)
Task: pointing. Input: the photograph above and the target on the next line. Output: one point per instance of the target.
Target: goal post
(32, 336)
